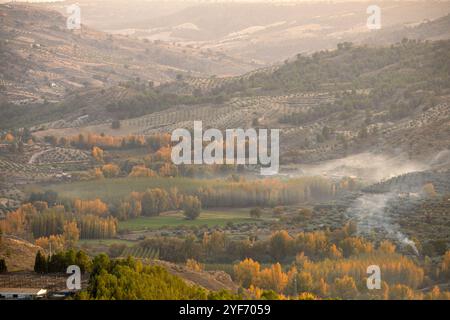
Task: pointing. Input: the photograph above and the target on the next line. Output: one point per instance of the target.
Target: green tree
(191, 207)
(3, 267)
(128, 279)
(154, 201)
(280, 245)
(83, 261)
(40, 263)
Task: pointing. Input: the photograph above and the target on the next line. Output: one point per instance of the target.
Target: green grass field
(117, 188)
(207, 217)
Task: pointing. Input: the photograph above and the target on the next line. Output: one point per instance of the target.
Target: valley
(87, 175)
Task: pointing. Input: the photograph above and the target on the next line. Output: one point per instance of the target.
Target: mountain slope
(332, 104)
(42, 59)
(438, 29)
(18, 254)
(272, 32)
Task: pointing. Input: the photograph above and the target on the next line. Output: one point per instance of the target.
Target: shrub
(191, 207)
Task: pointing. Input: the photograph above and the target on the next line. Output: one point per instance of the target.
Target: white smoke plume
(370, 213)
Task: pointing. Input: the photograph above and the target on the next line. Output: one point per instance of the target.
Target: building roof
(30, 291)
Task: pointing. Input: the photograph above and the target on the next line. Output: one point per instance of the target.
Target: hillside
(210, 280)
(19, 254)
(340, 102)
(406, 63)
(270, 32)
(43, 60)
(350, 167)
(437, 29)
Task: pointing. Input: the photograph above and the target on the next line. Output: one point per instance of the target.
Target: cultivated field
(210, 218)
(117, 188)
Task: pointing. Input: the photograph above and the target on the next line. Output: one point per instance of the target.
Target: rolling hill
(329, 105)
(269, 32)
(18, 254)
(43, 60)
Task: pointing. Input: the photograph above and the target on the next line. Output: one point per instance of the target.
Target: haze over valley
(87, 170)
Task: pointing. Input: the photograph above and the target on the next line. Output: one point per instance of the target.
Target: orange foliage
(97, 153)
(95, 207)
(168, 170)
(141, 171)
(9, 137)
(273, 278)
(246, 272)
(55, 243)
(71, 233)
(110, 170)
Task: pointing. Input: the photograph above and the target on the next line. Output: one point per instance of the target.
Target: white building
(22, 293)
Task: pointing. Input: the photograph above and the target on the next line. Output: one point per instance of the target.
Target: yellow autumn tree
(53, 243)
(255, 292)
(97, 153)
(168, 170)
(345, 288)
(386, 247)
(140, 171)
(246, 272)
(71, 233)
(401, 292)
(194, 265)
(15, 223)
(273, 278)
(110, 170)
(301, 260)
(429, 190)
(96, 207)
(96, 173)
(9, 137)
(307, 296)
(323, 289)
(334, 252)
(444, 268)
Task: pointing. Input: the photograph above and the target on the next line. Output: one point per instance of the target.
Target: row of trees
(88, 221)
(141, 169)
(343, 279)
(336, 266)
(87, 226)
(91, 140)
(58, 262)
(217, 247)
(261, 193)
(128, 279)
(154, 201)
(157, 163)
(266, 193)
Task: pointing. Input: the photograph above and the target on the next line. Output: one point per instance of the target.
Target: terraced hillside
(36, 163)
(414, 182)
(420, 134)
(329, 105)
